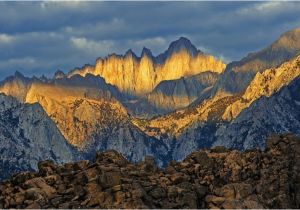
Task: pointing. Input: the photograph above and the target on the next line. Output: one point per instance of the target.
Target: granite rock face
(278, 113)
(28, 136)
(214, 178)
(138, 76)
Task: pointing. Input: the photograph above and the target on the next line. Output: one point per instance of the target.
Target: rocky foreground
(214, 178)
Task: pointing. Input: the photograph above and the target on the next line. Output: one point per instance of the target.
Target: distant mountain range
(166, 106)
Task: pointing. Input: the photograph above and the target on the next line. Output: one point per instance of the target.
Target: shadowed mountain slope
(27, 136)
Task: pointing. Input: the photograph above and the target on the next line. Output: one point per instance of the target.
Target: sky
(39, 38)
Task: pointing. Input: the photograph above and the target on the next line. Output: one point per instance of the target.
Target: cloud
(157, 44)
(17, 64)
(64, 35)
(22, 61)
(262, 7)
(269, 8)
(74, 4)
(93, 47)
(151, 41)
(6, 39)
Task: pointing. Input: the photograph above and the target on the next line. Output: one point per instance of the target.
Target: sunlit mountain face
(140, 75)
(166, 105)
(190, 81)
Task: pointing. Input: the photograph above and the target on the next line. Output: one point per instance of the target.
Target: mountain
(16, 86)
(211, 178)
(269, 105)
(225, 95)
(174, 94)
(182, 44)
(28, 136)
(232, 121)
(174, 124)
(19, 85)
(212, 106)
(178, 97)
(170, 95)
(140, 75)
(91, 122)
(239, 74)
(88, 113)
(264, 84)
(278, 113)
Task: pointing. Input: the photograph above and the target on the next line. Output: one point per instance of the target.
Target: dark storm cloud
(41, 37)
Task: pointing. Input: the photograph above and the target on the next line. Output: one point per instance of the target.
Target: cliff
(139, 75)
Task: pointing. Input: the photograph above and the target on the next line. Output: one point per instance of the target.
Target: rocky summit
(139, 75)
(211, 178)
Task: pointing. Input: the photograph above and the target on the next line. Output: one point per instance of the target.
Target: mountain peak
(59, 74)
(146, 52)
(176, 46)
(19, 75)
(183, 40)
(291, 33)
(130, 53)
(289, 40)
(182, 43)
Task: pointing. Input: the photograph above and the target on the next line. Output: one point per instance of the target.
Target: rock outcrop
(214, 178)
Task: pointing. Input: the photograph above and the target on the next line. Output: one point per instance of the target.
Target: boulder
(40, 183)
(109, 179)
(202, 158)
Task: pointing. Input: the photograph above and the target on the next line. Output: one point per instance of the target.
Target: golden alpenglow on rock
(139, 75)
(78, 112)
(223, 108)
(264, 84)
(92, 118)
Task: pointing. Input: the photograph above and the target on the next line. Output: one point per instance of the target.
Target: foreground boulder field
(213, 178)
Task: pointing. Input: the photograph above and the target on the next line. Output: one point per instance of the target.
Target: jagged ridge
(139, 75)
